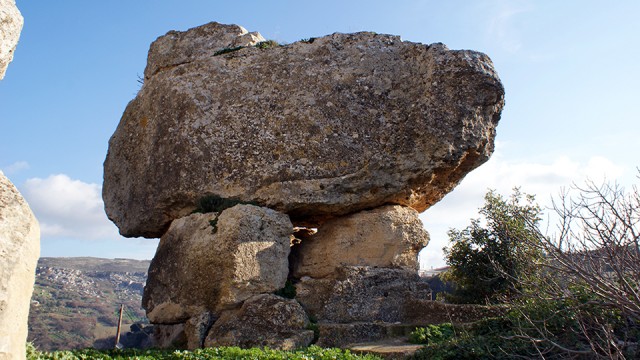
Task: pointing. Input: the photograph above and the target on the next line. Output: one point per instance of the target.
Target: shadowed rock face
(10, 26)
(314, 129)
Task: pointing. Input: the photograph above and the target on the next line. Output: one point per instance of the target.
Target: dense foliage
(431, 334)
(488, 258)
(312, 352)
(571, 294)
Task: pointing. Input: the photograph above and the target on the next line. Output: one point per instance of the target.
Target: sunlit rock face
(19, 252)
(388, 236)
(315, 129)
(215, 261)
(10, 26)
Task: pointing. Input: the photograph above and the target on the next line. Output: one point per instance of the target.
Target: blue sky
(570, 70)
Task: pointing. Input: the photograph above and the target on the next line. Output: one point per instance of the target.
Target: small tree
(488, 258)
(592, 275)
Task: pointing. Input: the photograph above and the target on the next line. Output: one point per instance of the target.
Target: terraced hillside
(76, 301)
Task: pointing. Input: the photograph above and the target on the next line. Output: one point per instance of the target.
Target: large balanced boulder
(214, 261)
(390, 236)
(10, 26)
(315, 129)
(19, 252)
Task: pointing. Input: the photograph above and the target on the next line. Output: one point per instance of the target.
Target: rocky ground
(76, 300)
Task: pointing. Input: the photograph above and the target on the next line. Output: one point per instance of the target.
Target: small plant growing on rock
(268, 44)
(227, 50)
(214, 203)
(288, 291)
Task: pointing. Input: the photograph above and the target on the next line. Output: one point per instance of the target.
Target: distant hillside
(76, 300)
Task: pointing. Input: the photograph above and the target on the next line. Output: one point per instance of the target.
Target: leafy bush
(267, 44)
(312, 352)
(488, 258)
(431, 334)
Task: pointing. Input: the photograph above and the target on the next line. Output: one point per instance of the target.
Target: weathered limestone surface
(19, 252)
(263, 320)
(315, 129)
(210, 262)
(10, 26)
(362, 294)
(389, 236)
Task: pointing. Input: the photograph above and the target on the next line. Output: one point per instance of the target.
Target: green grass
(312, 352)
(227, 50)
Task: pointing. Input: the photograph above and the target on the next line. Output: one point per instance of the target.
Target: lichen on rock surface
(389, 236)
(11, 22)
(19, 252)
(313, 129)
(199, 269)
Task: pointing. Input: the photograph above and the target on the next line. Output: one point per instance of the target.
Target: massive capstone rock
(389, 236)
(10, 26)
(315, 129)
(19, 252)
(214, 261)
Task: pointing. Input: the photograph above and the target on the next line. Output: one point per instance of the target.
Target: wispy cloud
(544, 180)
(502, 26)
(16, 167)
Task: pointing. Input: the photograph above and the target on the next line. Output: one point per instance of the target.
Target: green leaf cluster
(488, 258)
(431, 334)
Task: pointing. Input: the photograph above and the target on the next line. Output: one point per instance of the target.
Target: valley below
(76, 301)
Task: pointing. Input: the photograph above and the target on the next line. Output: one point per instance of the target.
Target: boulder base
(362, 294)
(264, 320)
(210, 262)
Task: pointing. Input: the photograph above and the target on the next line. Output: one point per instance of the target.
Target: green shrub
(489, 258)
(431, 334)
(267, 44)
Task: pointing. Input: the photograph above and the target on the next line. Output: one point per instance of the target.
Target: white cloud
(545, 180)
(69, 208)
(16, 167)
